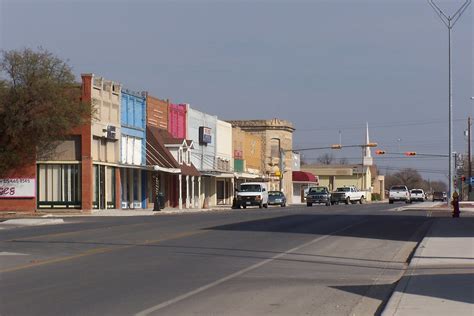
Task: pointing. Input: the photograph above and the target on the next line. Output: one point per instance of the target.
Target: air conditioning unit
(111, 132)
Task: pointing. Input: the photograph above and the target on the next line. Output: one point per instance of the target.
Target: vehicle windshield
(317, 190)
(398, 188)
(417, 191)
(274, 193)
(250, 188)
(343, 190)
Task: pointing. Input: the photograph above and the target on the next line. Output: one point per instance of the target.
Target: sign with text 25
(205, 135)
(17, 188)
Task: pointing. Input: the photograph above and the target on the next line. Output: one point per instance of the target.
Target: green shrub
(375, 197)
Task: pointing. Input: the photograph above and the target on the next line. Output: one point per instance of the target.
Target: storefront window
(104, 187)
(59, 186)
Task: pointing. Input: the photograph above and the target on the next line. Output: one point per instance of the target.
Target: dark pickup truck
(318, 195)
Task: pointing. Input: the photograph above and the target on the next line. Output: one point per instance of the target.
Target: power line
(387, 125)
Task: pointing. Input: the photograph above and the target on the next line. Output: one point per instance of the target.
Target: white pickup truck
(399, 193)
(348, 194)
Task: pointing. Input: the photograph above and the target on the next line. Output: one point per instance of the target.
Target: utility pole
(449, 21)
(469, 172)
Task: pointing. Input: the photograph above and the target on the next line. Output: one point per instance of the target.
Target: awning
(245, 175)
(216, 174)
(162, 169)
(225, 175)
(302, 176)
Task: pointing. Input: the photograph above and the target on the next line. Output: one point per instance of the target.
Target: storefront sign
(17, 188)
(238, 154)
(205, 135)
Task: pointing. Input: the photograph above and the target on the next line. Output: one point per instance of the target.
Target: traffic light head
(410, 153)
(380, 152)
(336, 146)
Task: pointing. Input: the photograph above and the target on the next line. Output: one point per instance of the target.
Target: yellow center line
(99, 251)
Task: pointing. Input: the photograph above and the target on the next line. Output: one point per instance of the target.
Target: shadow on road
(424, 285)
(398, 228)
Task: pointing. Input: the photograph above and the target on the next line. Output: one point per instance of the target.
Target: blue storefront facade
(133, 176)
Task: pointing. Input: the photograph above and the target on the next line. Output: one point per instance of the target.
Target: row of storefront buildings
(137, 146)
(138, 149)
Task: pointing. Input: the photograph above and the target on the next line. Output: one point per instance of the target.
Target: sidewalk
(440, 277)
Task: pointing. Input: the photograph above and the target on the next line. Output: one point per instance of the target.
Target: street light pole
(449, 22)
(469, 172)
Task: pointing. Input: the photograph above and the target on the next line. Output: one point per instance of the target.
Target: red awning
(301, 176)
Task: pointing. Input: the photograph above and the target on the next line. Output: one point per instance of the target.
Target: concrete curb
(133, 213)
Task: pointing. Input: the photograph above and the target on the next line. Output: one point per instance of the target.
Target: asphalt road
(338, 260)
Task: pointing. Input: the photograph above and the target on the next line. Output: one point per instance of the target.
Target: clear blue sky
(324, 65)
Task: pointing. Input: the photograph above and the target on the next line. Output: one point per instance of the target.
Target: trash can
(159, 202)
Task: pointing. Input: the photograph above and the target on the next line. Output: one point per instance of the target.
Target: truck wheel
(265, 205)
(362, 200)
(283, 204)
(348, 200)
(244, 206)
(390, 201)
(309, 204)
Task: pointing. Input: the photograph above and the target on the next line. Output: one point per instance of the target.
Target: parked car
(318, 195)
(252, 193)
(399, 193)
(348, 194)
(417, 195)
(276, 198)
(440, 196)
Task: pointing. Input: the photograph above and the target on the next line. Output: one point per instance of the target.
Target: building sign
(17, 188)
(205, 135)
(238, 154)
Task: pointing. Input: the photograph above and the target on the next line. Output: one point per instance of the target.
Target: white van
(252, 193)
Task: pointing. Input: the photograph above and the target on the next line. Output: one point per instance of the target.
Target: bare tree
(344, 161)
(409, 177)
(39, 105)
(439, 186)
(413, 180)
(326, 159)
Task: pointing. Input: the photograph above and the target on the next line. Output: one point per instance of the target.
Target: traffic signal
(380, 152)
(410, 153)
(371, 145)
(336, 146)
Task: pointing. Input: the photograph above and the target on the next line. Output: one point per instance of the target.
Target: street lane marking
(99, 251)
(240, 272)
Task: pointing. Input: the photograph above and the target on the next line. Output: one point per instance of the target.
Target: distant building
(276, 135)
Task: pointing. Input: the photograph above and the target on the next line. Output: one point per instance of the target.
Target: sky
(329, 67)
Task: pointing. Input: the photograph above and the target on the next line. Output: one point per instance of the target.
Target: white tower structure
(368, 160)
